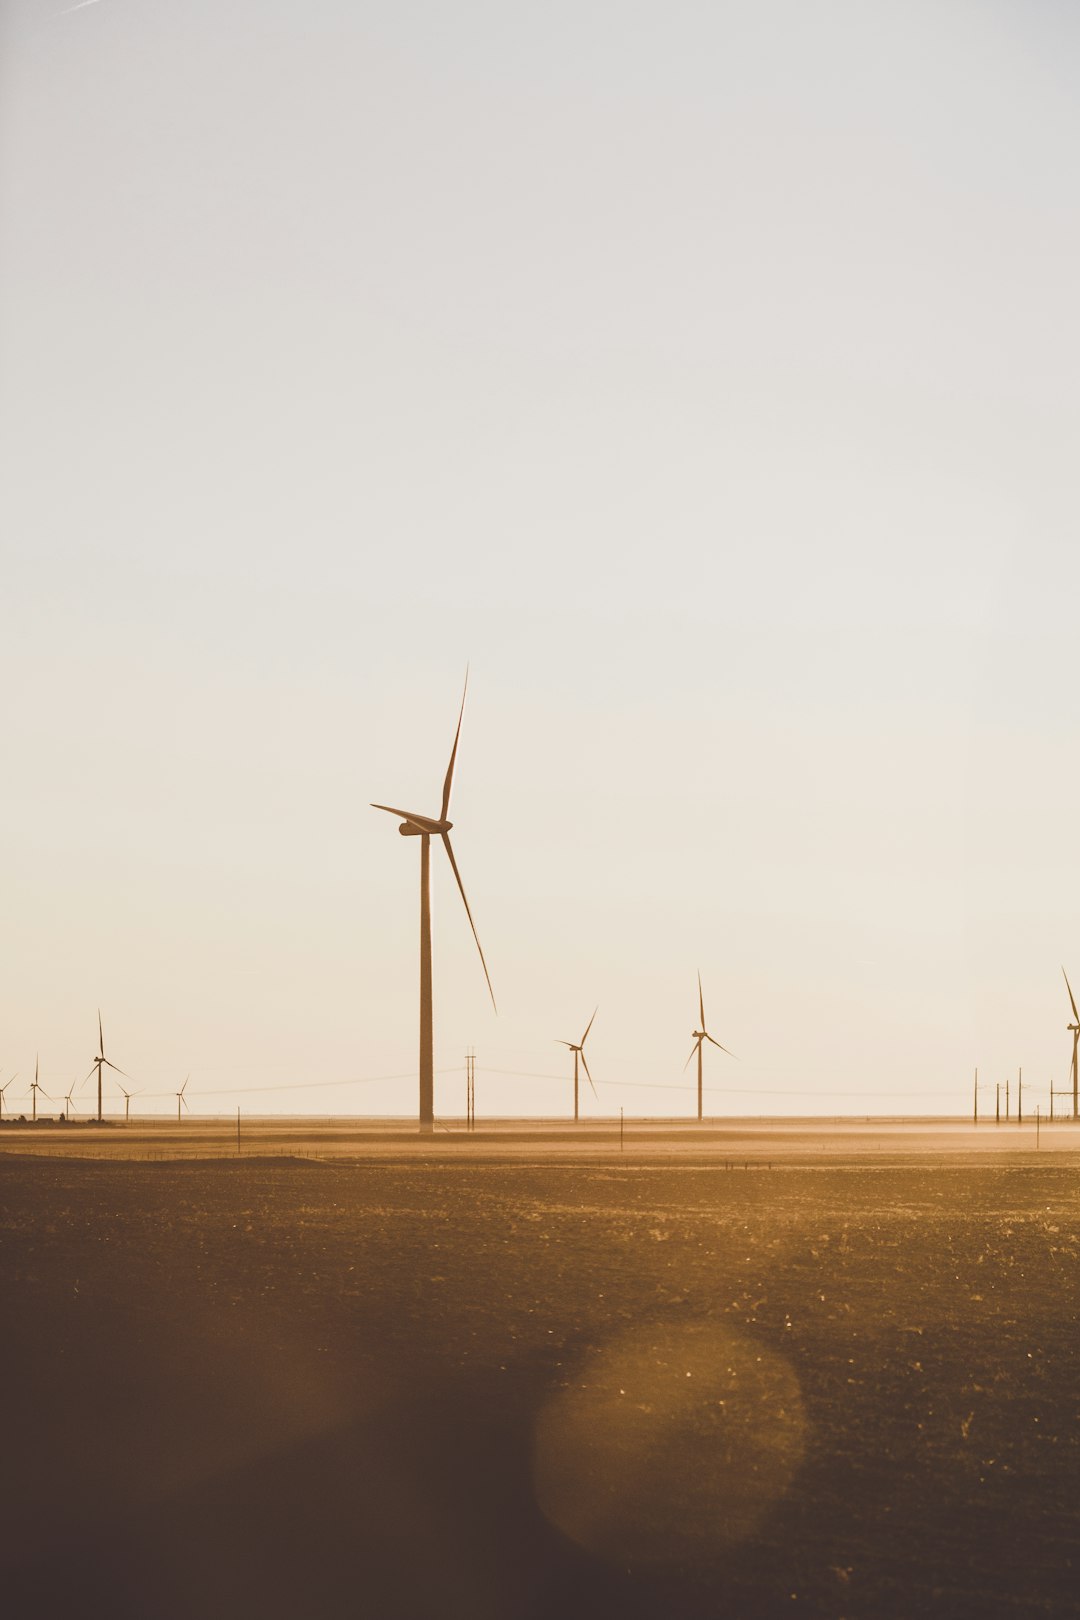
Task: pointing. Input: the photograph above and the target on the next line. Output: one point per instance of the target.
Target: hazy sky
(706, 374)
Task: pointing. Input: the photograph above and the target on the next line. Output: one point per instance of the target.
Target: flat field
(446, 1384)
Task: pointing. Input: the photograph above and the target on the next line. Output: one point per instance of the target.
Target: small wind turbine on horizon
(127, 1102)
(100, 1061)
(3, 1089)
(1074, 1030)
(35, 1087)
(579, 1052)
(181, 1100)
(425, 828)
(700, 1037)
(69, 1104)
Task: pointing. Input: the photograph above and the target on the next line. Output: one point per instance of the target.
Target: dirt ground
(426, 1387)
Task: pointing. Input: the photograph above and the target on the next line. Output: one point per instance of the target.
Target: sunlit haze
(703, 376)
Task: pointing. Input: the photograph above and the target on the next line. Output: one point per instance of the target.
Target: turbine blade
(589, 1025)
(1072, 998)
(693, 1054)
(449, 782)
(701, 998)
(124, 1072)
(721, 1048)
(101, 1035)
(589, 1077)
(90, 1076)
(468, 913)
(428, 823)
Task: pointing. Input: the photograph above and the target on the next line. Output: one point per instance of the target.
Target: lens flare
(669, 1443)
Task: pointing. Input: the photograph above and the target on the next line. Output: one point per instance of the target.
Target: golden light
(669, 1443)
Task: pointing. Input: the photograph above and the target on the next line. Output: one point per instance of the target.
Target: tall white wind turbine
(1074, 1030)
(426, 828)
(579, 1052)
(700, 1037)
(35, 1087)
(100, 1062)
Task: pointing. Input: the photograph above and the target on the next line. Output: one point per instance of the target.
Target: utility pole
(1006, 1102)
(470, 1090)
(997, 1103)
(1038, 1122)
(1019, 1096)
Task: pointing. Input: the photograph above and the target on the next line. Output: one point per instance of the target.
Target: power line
(676, 1085)
(301, 1085)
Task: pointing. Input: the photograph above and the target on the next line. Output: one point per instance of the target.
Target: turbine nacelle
(414, 824)
(416, 829)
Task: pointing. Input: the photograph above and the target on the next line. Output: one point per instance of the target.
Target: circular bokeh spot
(669, 1444)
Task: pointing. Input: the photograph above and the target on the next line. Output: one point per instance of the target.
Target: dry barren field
(445, 1384)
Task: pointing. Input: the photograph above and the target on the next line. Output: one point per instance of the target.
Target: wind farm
(639, 444)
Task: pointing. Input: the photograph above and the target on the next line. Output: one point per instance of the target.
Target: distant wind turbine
(579, 1052)
(99, 1061)
(127, 1102)
(1074, 1030)
(3, 1089)
(425, 828)
(181, 1100)
(69, 1104)
(700, 1037)
(34, 1089)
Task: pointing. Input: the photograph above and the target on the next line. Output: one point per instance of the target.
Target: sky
(702, 375)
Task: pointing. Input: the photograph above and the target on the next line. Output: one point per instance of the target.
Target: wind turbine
(181, 1100)
(700, 1037)
(425, 828)
(1074, 1030)
(34, 1089)
(579, 1052)
(69, 1104)
(3, 1089)
(127, 1102)
(101, 1060)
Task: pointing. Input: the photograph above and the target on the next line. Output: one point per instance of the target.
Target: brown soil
(282, 1389)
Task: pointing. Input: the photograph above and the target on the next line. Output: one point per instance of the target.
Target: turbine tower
(100, 1061)
(700, 1037)
(1074, 1030)
(579, 1052)
(425, 828)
